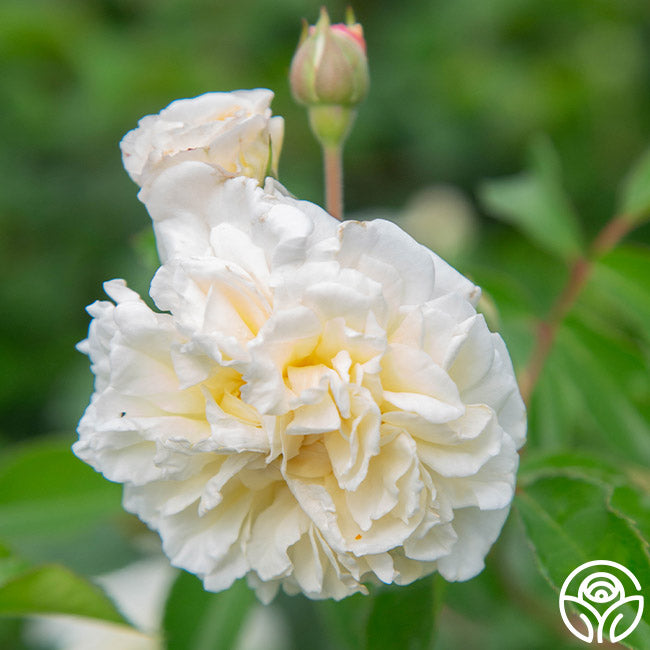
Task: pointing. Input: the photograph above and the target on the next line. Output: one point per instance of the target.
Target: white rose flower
(318, 406)
(233, 131)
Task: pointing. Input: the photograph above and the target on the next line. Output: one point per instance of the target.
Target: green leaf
(635, 191)
(536, 203)
(46, 491)
(599, 367)
(54, 589)
(569, 464)
(634, 506)
(552, 412)
(402, 617)
(569, 522)
(10, 564)
(196, 619)
(621, 278)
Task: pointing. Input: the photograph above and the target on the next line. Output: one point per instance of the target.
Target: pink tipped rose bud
(330, 65)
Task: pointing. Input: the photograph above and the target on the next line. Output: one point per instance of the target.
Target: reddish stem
(333, 163)
(607, 238)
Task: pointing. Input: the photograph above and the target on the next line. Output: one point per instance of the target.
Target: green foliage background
(461, 92)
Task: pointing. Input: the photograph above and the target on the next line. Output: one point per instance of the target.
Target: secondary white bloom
(318, 405)
(233, 131)
(441, 217)
(139, 591)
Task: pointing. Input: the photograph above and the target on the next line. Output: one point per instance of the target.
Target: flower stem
(333, 164)
(612, 233)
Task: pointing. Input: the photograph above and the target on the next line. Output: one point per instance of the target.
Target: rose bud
(330, 64)
(329, 74)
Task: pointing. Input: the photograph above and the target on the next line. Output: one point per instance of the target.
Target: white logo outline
(601, 587)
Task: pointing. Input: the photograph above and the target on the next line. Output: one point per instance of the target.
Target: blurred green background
(458, 90)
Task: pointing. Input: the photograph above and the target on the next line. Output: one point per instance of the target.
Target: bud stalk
(331, 124)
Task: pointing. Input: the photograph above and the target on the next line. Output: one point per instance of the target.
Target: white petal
(382, 566)
(491, 487)
(477, 530)
(431, 540)
(351, 448)
(384, 252)
(474, 357)
(450, 281)
(464, 457)
(275, 530)
(414, 383)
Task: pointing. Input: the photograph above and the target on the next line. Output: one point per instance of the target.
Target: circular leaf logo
(606, 595)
